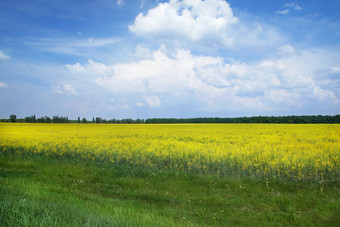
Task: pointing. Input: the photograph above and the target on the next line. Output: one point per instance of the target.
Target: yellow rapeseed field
(300, 152)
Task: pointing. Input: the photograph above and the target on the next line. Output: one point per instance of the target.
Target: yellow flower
(296, 151)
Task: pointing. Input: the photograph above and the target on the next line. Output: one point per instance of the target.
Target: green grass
(47, 191)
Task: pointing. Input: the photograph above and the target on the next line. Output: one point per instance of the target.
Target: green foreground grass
(47, 191)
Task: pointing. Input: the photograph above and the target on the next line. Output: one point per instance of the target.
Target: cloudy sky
(149, 58)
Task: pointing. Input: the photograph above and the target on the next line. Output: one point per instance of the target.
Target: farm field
(170, 175)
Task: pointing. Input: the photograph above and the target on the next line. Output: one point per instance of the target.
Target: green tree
(99, 120)
(48, 119)
(13, 118)
(41, 120)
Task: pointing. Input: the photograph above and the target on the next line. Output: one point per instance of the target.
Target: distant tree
(13, 118)
(57, 119)
(48, 119)
(98, 120)
(20, 120)
(41, 120)
(45, 119)
(28, 119)
(112, 121)
(311, 119)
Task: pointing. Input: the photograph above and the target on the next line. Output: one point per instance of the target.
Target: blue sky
(148, 58)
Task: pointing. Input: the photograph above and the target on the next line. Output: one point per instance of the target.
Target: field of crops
(298, 152)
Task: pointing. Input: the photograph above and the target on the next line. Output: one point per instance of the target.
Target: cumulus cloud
(324, 95)
(3, 85)
(75, 67)
(286, 49)
(189, 20)
(205, 24)
(284, 97)
(142, 52)
(66, 89)
(91, 67)
(159, 74)
(214, 84)
(3, 56)
(153, 101)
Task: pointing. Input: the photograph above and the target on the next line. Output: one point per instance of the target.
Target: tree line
(34, 119)
(305, 119)
(60, 119)
(313, 119)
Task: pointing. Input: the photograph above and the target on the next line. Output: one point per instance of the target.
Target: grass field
(169, 175)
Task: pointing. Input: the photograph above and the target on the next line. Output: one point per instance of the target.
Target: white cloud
(286, 49)
(142, 52)
(282, 12)
(120, 2)
(3, 56)
(79, 47)
(193, 21)
(205, 25)
(66, 89)
(153, 101)
(3, 85)
(75, 67)
(210, 83)
(139, 104)
(292, 5)
(285, 98)
(158, 74)
(324, 95)
(92, 68)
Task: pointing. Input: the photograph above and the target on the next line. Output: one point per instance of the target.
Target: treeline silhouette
(258, 119)
(312, 119)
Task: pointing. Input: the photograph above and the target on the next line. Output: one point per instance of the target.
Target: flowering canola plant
(300, 152)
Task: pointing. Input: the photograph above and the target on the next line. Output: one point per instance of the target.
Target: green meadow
(52, 191)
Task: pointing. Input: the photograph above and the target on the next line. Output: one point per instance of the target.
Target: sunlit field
(169, 175)
(298, 152)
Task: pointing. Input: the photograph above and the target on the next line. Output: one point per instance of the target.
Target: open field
(169, 175)
(300, 152)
